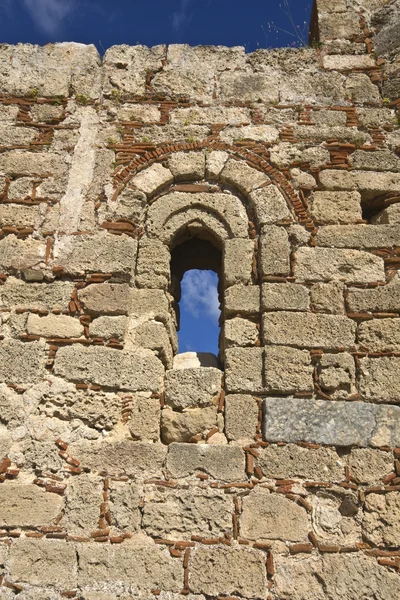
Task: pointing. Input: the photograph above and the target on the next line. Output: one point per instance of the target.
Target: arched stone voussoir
(222, 214)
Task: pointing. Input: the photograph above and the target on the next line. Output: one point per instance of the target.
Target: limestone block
(18, 215)
(43, 456)
(319, 134)
(46, 113)
(338, 264)
(84, 495)
(16, 136)
(108, 327)
(241, 418)
(257, 133)
(337, 375)
(187, 165)
(370, 184)
(238, 261)
(152, 335)
(151, 303)
(153, 264)
(381, 299)
(28, 506)
(348, 63)
(131, 204)
(225, 463)
(267, 516)
(275, 251)
(9, 113)
(388, 216)
(331, 118)
(308, 330)
(328, 6)
(210, 115)
(179, 81)
(318, 464)
(20, 188)
(335, 207)
(19, 163)
(49, 296)
(153, 179)
(145, 418)
(311, 86)
(192, 388)
(359, 236)
(328, 297)
(219, 58)
(43, 562)
(144, 566)
(108, 367)
(302, 180)
(215, 162)
(99, 410)
(278, 116)
(380, 335)
(181, 134)
(145, 113)
(125, 68)
(20, 362)
(182, 426)
(135, 459)
(245, 178)
(360, 88)
(242, 299)
(369, 466)
(124, 505)
(240, 332)
(381, 519)
(102, 252)
(288, 370)
(375, 117)
(270, 205)
(110, 298)
(331, 423)
(284, 296)
(178, 514)
(59, 326)
(16, 254)
(244, 370)
(343, 25)
(227, 571)
(250, 87)
(379, 379)
(12, 407)
(380, 160)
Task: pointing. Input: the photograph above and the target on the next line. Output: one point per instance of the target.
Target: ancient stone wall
(127, 470)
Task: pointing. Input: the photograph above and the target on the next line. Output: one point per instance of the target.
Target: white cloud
(200, 294)
(181, 17)
(48, 15)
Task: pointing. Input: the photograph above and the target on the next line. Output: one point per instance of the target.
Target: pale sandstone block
(338, 264)
(60, 326)
(46, 113)
(241, 418)
(270, 205)
(370, 184)
(388, 216)
(187, 165)
(152, 335)
(318, 464)
(110, 298)
(288, 370)
(380, 160)
(250, 87)
(20, 189)
(257, 133)
(335, 207)
(337, 375)
(275, 251)
(145, 418)
(228, 571)
(124, 505)
(347, 63)
(308, 330)
(182, 426)
(130, 79)
(359, 236)
(381, 299)
(108, 327)
(225, 463)
(19, 163)
(151, 303)
(215, 162)
(285, 296)
(83, 497)
(49, 296)
(380, 335)
(245, 178)
(153, 265)
(178, 514)
(360, 88)
(318, 134)
(375, 117)
(331, 6)
(145, 113)
(328, 297)
(9, 113)
(210, 115)
(18, 215)
(240, 332)
(28, 506)
(192, 388)
(193, 360)
(242, 299)
(153, 179)
(331, 118)
(20, 362)
(238, 261)
(381, 524)
(379, 379)
(244, 370)
(16, 254)
(268, 516)
(43, 562)
(369, 466)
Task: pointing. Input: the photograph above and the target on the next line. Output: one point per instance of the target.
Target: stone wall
(128, 471)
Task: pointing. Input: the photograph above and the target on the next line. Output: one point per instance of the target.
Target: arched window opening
(196, 266)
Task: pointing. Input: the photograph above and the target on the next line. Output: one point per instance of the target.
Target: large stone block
(119, 369)
(106, 298)
(192, 388)
(182, 426)
(225, 463)
(328, 297)
(242, 299)
(380, 160)
(240, 332)
(238, 261)
(18, 215)
(369, 466)
(39, 296)
(16, 254)
(388, 216)
(284, 296)
(381, 299)
(250, 87)
(241, 418)
(337, 375)
(359, 236)
(153, 264)
(267, 516)
(242, 176)
(187, 165)
(308, 330)
(275, 251)
(227, 571)
(331, 423)
(326, 264)
(60, 326)
(335, 207)
(381, 524)
(210, 115)
(379, 379)
(270, 205)
(152, 179)
(25, 505)
(380, 335)
(288, 370)
(125, 68)
(244, 370)
(108, 327)
(17, 163)
(179, 514)
(81, 514)
(43, 562)
(20, 362)
(370, 184)
(286, 462)
(124, 505)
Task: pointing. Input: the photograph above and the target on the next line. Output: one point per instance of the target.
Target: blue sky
(150, 22)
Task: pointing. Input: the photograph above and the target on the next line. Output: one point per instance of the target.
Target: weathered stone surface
(28, 506)
(153, 179)
(82, 505)
(318, 464)
(124, 505)
(131, 458)
(228, 571)
(337, 577)
(108, 367)
(241, 417)
(245, 178)
(16, 254)
(369, 466)
(275, 251)
(360, 88)
(210, 115)
(388, 216)
(308, 330)
(359, 236)
(335, 207)
(267, 516)
(250, 87)
(152, 303)
(129, 79)
(242, 299)
(108, 327)
(182, 426)
(287, 296)
(18, 215)
(375, 116)
(43, 562)
(59, 326)
(288, 370)
(325, 264)
(381, 519)
(220, 462)
(380, 335)
(145, 417)
(238, 261)
(337, 375)
(379, 380)
(328, 297)
(346, 63)
(110, 298)
(143, 566)
(50, 296)
(187, 165)
(153, 264)
(178, 514)
(240, 332)
(244, 369)
(270, 205)
(380, 299)
(194, 360)
(192, 388)
(331, 423)
(258, 133)
(21, 363)
(380, 160)
(369, 184)
(19, 163)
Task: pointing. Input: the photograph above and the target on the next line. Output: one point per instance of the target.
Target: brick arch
(252, 157)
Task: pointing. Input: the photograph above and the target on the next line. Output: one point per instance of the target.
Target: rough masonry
(128, 470)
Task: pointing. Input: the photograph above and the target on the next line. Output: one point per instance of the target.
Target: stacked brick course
(127, 470)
